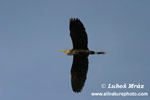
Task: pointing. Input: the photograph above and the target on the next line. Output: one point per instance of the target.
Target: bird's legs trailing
(100, 52)
(93, 52)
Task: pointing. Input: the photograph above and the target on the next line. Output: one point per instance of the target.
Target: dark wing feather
(78, 34)
(78, 72)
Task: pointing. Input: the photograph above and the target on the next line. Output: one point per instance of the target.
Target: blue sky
(32, 30)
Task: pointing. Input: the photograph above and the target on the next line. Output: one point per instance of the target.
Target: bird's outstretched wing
(78, 72)
(78, 34)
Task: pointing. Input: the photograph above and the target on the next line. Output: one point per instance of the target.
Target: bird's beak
(61, 50)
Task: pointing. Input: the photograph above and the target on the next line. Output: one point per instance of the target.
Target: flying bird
(80, 54)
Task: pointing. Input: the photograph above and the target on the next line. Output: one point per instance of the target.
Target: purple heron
(80, 54)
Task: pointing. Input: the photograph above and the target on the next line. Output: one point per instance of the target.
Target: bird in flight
(80, 54)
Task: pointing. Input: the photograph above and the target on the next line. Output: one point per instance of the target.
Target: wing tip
(76, 24)
(77, 89)
(74, 19)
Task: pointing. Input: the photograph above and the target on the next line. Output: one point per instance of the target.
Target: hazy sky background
(32, 30)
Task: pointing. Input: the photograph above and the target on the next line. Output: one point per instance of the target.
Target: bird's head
(66, 51)
(62, 51)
